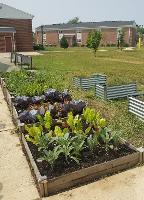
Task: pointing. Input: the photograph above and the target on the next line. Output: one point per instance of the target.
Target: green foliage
(34, 133)
(110, 139)
(93, 40)
(46, 121)
(74, 123)
(120, 39)
(51, 155)
(75, 20)
(92, 142)
(64, 43)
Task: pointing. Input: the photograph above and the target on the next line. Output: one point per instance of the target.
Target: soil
(87, 159)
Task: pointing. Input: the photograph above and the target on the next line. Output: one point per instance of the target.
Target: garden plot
(88, 83)
(115, 92)
(67, 150)
(136, 106)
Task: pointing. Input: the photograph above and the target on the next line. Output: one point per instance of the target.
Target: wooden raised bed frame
(54, 185)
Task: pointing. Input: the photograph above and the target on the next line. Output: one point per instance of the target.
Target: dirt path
(16, 181)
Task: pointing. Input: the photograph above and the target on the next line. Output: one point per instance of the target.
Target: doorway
(8, 44)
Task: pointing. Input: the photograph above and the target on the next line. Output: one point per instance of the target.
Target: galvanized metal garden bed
(136, 106)
(22, 60)
(115, 92)
(88, 83)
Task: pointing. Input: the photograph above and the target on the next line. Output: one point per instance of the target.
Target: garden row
(67, 142)
(105, 92)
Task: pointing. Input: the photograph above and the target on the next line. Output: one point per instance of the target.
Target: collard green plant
(51, 156)
(110, 139)
(92, 142)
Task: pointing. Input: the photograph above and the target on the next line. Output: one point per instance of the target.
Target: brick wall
(2, 40)
(109, 36)
(23, 36)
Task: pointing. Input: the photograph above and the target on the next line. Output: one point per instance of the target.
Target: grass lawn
(119, 66)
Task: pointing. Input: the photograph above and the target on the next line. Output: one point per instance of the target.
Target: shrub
(38, 47)
(64, 43)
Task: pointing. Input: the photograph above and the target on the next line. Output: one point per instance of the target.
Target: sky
(60, 11)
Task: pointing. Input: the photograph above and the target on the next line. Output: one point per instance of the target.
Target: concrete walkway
(16, 181)
(128, 185)
(5, 64)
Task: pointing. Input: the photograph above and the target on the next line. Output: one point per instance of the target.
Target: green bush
(38, 47)
(64, 43)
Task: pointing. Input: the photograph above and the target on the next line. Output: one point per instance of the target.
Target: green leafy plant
(34, 133)
(78, 142)
(46, 121)
(65, 144)
(92, 142)
(58, 132)
(51, 155)
(110, 139)
(75, 123)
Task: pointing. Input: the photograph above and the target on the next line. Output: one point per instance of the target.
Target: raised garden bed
(77, 175)
(88, 83)
(115, 92)
(136, 105)
(66, 156)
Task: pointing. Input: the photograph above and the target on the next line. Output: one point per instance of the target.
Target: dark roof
(8, 12)
(7, 29)
(82, 25)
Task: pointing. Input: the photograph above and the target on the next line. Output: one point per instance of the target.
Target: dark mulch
(87, 159)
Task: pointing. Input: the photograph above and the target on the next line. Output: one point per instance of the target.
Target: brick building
(15, 29)
(53, 33)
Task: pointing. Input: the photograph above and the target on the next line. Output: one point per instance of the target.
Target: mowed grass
(121, 67)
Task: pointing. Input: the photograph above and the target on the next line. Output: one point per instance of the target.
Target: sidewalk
(5, 64)
(128, 185)
(16, 181)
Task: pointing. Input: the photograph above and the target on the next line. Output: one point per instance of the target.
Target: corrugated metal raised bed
(87, 83)
(136, 107)
(114, 92)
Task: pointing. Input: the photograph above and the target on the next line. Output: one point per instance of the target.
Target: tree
(93, 40)
(120, 39)
(64, 43)
(75, 20)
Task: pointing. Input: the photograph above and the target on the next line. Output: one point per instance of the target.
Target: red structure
(53, 33)
(15, 29)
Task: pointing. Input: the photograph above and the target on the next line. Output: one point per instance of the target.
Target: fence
(108, 93)
(87, 83)
(136, 107)
(22, 60)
